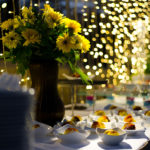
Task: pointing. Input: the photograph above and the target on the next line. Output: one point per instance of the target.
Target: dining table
(139, 141)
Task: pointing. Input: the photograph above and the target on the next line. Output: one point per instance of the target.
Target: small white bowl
(112, 140)
(42, 131)
(147, 118)
(136, 118)
(73, 137)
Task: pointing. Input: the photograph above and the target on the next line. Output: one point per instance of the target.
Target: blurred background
(119, 32)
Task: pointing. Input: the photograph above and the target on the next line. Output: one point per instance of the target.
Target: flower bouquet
(46, 35)
(37, 40)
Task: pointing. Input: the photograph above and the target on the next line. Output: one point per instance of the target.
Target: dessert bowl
(71, 134)
(91, 126)
(131, 131)
(40, 130)
(111, 140)
(146, 115)
(129, 118)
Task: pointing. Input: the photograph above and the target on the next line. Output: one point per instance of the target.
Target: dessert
(122, 112)
(99, 113)
(129, 118)
(76, 118)
(147, 113)
(137, 107)
(111, 132)
(103, 119)
(35, 126)
(112, 107)
(70, 130)
(129, 126)
(97, 124)
(76, 75)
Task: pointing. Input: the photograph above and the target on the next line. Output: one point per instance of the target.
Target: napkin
(15, 106)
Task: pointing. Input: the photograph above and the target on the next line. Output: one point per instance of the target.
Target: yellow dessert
(99, 113)
(70, 130)
(137, 107)
(76, 118)
(35, 126)
(96, 124)
(147, 113)
(129, 118)
(112, 107)
(129, 126)
(122, 112)
(103, 119)
(111, 132)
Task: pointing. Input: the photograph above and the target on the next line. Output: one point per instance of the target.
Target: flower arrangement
(43, 34)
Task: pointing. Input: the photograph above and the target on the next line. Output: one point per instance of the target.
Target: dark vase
(49, 107)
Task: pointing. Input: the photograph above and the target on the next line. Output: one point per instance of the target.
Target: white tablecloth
(94, 142)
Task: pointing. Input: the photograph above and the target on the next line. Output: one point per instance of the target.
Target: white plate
(138, 128)
(74, 137)
(71, 77)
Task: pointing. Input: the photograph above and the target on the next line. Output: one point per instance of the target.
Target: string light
(119, 20)
(118, 34)
(4, 5)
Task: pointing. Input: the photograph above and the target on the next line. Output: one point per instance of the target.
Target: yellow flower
(47, 10)
(72, 25)
(85, 43)
(28, 14)
(53, 18)
(31, 36)
(11, 40)
(17, 22)
(64, 43)
(8, 24)
(76, 41)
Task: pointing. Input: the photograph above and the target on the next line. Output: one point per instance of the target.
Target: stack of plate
(14, 107)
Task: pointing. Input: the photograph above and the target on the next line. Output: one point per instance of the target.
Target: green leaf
(84, 77)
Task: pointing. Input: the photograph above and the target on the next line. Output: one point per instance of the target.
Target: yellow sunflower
(8, 24)
(11, 39)
(28, 14)
(76, 41)
(64, 43)
(85, 44)
(72, 25)
(53, 18)
(17, 22)
(47, 10)
(31, 36)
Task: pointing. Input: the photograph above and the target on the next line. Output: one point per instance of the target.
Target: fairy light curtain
(119, 32)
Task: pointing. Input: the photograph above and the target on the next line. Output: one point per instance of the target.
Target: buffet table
(93, 142)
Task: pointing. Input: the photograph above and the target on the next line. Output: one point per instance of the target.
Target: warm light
(89, 87)
(2, 70)
(87, 67)
(88, 73)
(47, 2)
(4, 5)
(35, 4)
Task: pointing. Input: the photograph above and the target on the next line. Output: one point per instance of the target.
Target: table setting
(96, 131)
